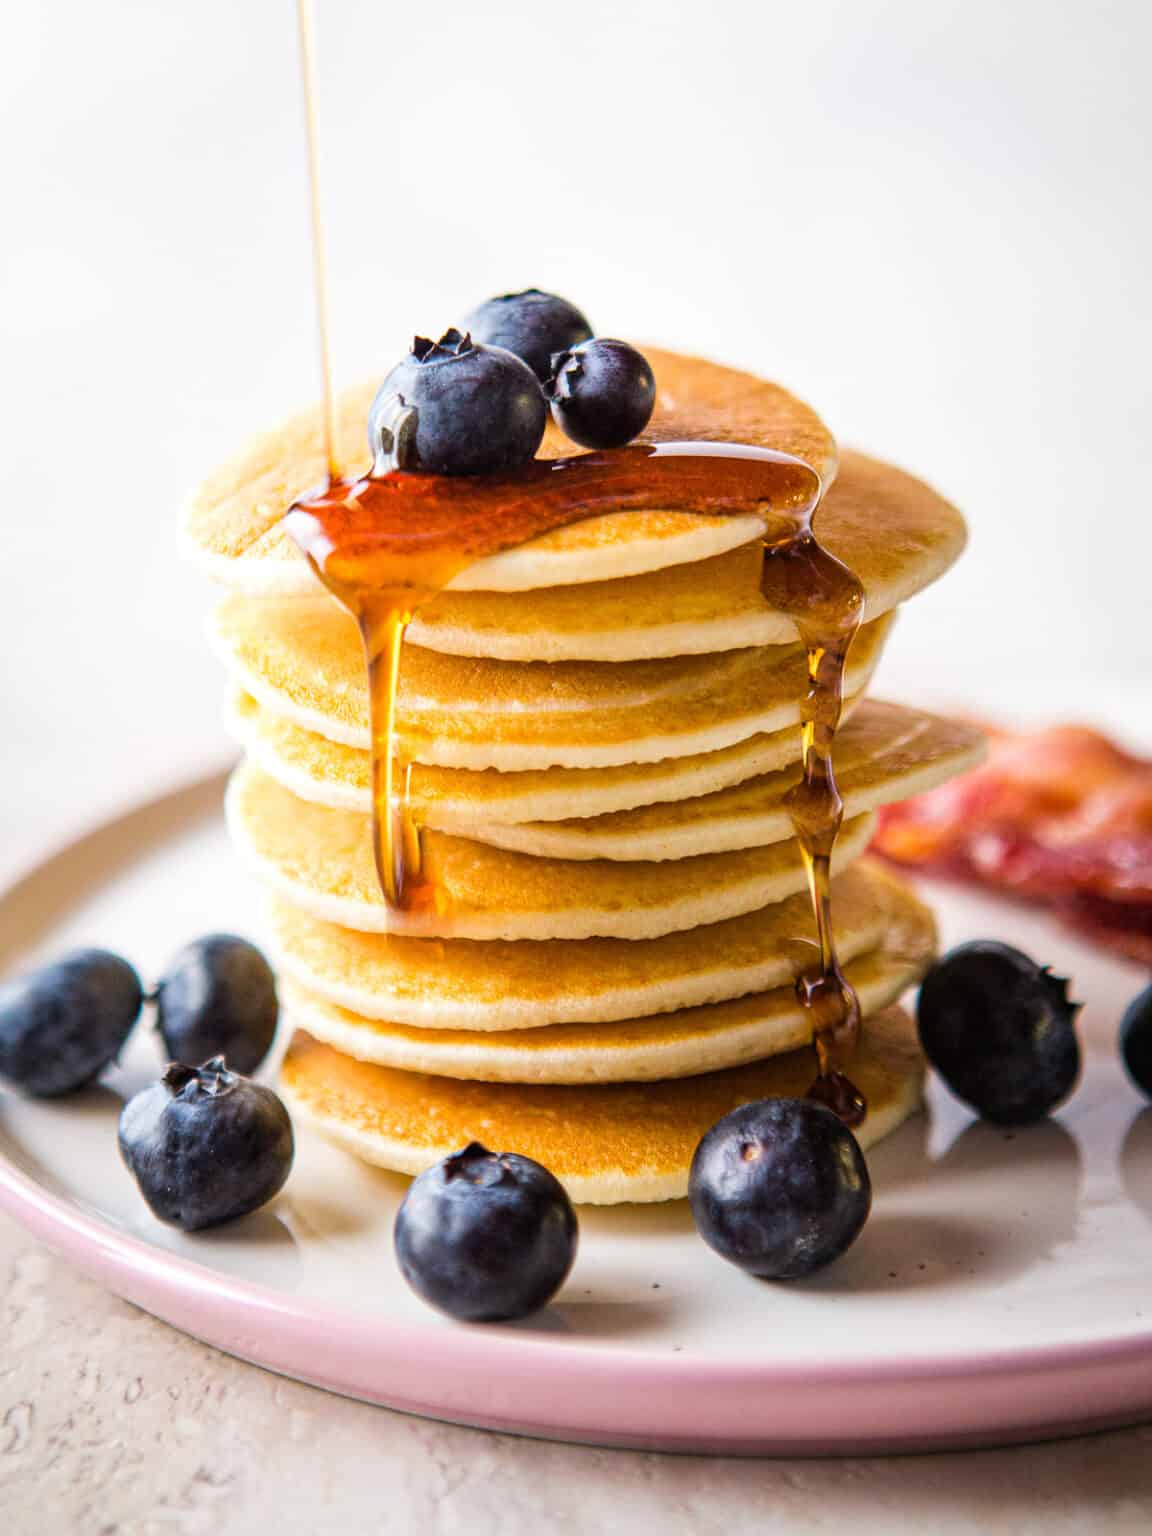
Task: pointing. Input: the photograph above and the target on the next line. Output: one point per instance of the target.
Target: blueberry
(999, 1029)
(602, 393)
(454, 407)
(218, 998)
(61, 1026)
(779, 1188)
(206, 1145)
(531, 324)
(486, 1236)
(1136, 1040)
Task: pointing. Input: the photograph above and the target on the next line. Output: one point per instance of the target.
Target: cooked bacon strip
(1061, 816)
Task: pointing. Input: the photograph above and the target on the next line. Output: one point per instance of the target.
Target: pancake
(460, 984)
(679, 1044)
(304, 661)
(310, 650)
(892, 530)
(232, 525)
(333, 774)
(884, 753)
(322, 860)
(607, 1143)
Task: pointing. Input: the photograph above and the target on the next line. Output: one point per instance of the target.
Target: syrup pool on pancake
(453, 432)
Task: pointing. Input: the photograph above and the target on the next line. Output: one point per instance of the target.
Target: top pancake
(233, 524)
(890, 529)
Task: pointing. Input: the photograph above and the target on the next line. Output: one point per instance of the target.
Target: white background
(932, 219)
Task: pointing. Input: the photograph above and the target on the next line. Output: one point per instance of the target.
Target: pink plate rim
(493, 1378)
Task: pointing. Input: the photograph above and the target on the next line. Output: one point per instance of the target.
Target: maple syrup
(387, 543)
(825, 601)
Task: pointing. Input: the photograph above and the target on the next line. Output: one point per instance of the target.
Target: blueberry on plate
(456, 407)
(1000, 1031)
(1136, 1041)
(532, 324)
(60, 1026)
(486, 1236)
(206, 1145)
(602, 392)
(779, 1188)
(218, 998)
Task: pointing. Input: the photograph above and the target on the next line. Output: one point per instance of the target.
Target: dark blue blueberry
(454, 407)
(1136, 1040)
(531, 324)
(779, 1188)
(602, 393)
(486, 1236)
(61, 1026)
(1000, 1031)
(218, 998)
(206, 1145)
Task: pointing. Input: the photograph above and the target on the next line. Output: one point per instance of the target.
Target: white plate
(999, 1292)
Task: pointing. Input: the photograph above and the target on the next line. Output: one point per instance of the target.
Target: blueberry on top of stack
(472, 402)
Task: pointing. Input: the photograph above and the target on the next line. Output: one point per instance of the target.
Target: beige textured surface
(113, 1424)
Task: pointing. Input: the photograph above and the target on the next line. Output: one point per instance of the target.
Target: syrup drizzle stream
(387, 543)
(307, 33)
(826, 603)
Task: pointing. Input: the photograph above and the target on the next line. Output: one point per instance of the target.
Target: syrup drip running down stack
(599, 724)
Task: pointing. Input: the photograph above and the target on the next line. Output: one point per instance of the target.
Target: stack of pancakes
(604, 728)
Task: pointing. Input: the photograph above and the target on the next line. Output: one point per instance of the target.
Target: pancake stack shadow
(601, 767)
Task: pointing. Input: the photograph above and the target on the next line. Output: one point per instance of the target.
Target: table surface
(962, 286)
(111, 1423)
